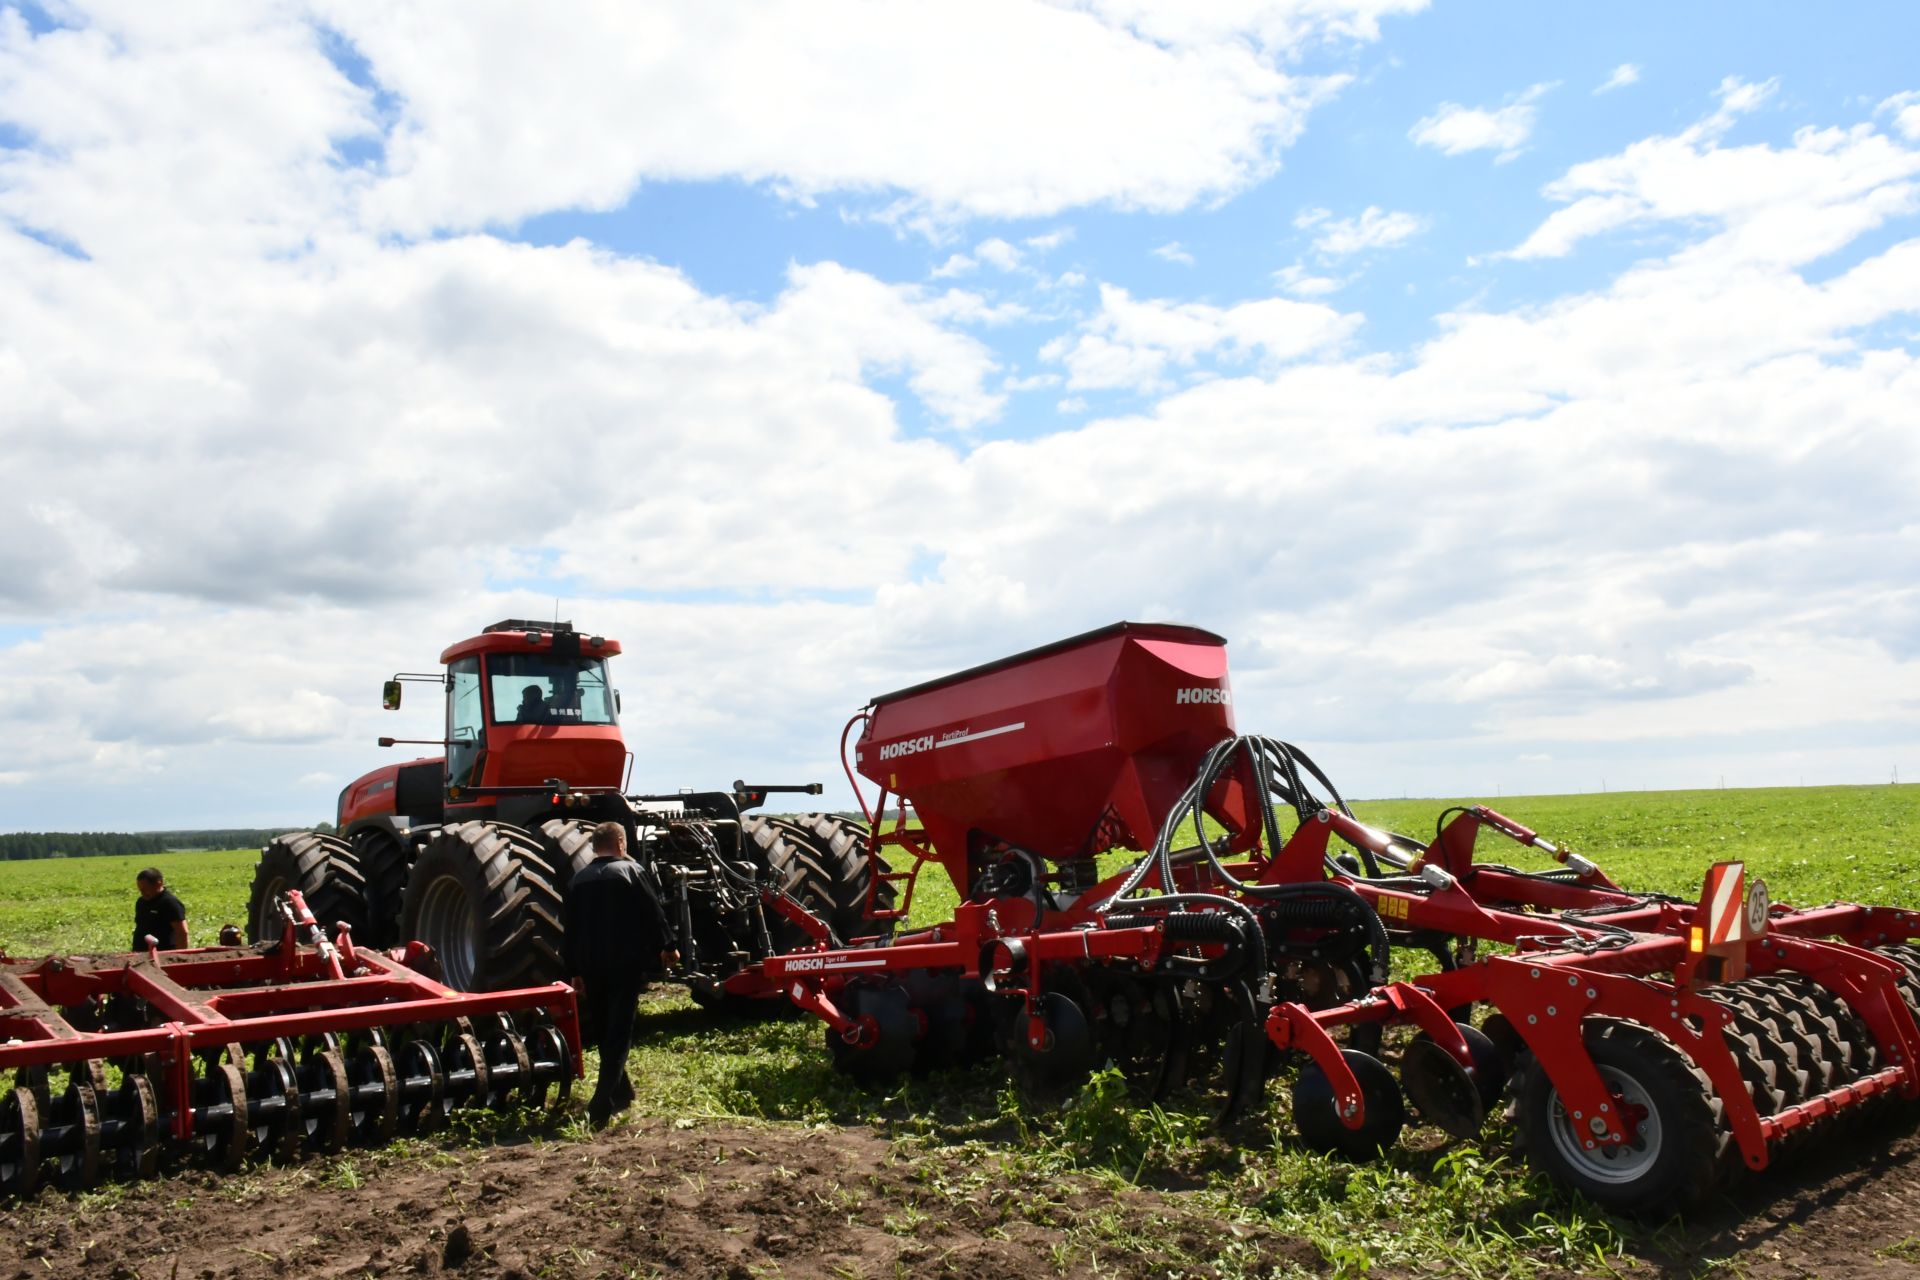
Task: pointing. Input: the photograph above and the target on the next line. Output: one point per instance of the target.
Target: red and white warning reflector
(1734, 913)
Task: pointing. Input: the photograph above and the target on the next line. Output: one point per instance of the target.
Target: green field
(1462, 1208)
(84, 905)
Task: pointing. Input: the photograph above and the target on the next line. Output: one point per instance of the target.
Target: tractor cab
(528, 704)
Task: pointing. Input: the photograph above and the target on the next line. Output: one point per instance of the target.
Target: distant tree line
(20, 846)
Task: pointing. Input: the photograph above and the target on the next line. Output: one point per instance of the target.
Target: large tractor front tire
(324, 870)
(482, 896)
(567, 846)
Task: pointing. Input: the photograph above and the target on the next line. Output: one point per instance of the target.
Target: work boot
(599, 1111)
(622, 1092)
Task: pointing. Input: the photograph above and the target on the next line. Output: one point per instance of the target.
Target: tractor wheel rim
(1613, 1164)
(267, 914)
(447, 925)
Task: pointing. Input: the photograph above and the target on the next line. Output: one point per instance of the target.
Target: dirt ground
(722, 1200)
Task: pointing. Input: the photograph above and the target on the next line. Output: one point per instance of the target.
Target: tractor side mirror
(616, 702)
(390, 695)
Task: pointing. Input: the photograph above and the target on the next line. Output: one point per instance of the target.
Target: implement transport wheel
(1672, 1157)
(327, 873)
(1317, 1116)
(481, 896)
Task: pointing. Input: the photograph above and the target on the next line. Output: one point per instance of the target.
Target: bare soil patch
(732, 1200)
(649, 1198)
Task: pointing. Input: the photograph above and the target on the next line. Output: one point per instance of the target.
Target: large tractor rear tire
(839, 846)
(326, 871)
(482, 896)
(384, 861)
(797, 871)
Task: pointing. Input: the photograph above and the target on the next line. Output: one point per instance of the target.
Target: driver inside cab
(533, 707)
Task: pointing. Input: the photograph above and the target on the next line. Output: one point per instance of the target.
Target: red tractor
(471, 852)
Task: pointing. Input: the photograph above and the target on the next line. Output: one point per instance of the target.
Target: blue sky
(737, 239)
(1528, 392)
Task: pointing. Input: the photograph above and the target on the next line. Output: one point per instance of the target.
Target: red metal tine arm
(1292, 1026)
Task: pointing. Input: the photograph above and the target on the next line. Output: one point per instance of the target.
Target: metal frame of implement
(364, 1019)
(1062, 752)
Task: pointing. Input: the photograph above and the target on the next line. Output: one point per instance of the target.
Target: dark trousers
(606, 1019)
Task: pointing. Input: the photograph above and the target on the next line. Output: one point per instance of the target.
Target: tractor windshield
(538, 688)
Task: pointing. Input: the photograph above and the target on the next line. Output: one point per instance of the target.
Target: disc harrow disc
(1138, 1026)
(77, 1166)
(424, 1105)
(220, 1127)
(552, 1064)
(19, 1142)
(137, 1148)
(273, 1106)
(1063, 1058)
(466, 1066)
(324, 1106)
(374, 1114)
(509, 1070)
(1316, 1112)
(888, 1032)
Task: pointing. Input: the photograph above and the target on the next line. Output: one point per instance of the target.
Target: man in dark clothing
(158, 914)
(533, 707)
(616, 933)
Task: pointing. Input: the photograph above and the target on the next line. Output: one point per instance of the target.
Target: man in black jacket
(158, 914)
(616, 933)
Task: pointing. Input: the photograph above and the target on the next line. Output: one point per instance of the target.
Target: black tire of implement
(1861, 1054)
(325, 870)
(840, 845)
(1764, 1050)
(567, 846)
(1689, 1162)
(1829, 1063)
(384, 862)
(1908, 954)
(508, 888)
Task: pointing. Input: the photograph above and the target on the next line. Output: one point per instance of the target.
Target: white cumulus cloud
(1372, 228)
(1905, 110)
(1789, 204)
(1135, 343)
(1455, 130)
(1623, 75)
